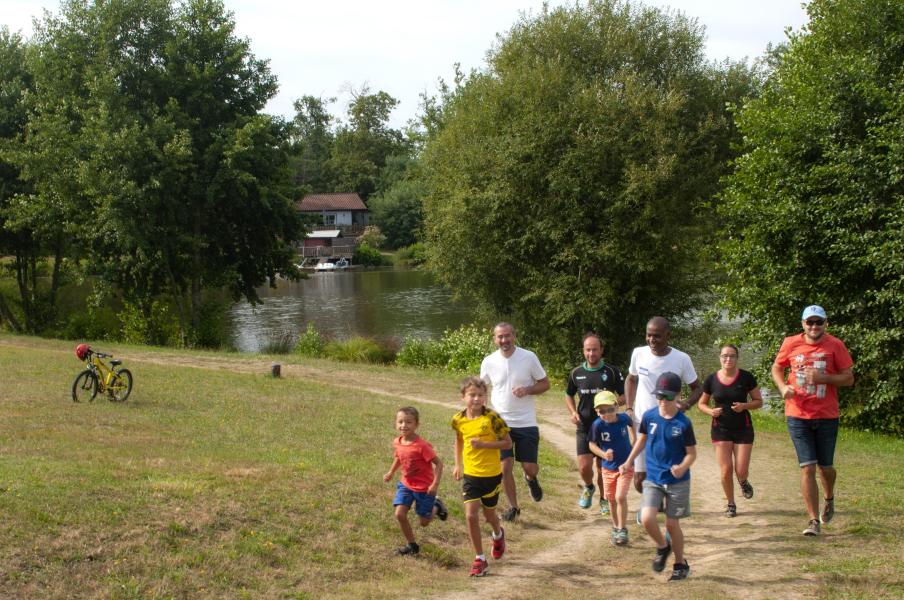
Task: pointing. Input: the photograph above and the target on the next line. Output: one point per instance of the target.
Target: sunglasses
(664, 397)
(817, 322)
(605, 411)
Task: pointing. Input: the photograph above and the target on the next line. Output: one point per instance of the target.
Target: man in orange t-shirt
(819, 363)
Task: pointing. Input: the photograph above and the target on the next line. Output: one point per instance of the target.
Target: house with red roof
(343, 211)
(339, 218)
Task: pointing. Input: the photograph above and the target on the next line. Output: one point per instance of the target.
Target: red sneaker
(479, 568)
(499, 545)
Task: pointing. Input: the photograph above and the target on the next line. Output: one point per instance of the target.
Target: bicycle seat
(115, 363)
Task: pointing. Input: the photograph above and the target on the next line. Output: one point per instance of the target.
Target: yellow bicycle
(100, 377)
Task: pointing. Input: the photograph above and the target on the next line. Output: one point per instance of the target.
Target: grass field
(209, 484)
(212, 484)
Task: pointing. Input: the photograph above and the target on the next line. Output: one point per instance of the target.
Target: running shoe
(812, 528)
(511, 514)
(680, 572)
(639, 522)
(479, 568)
(441, 510)
(613, 537)
(662, 555)
(409, 549)
(828, 510)
(536, 492)
(731, 510)
(586, 498)
(499, 545)
(604, 507)
(746, 489)
(622, 538)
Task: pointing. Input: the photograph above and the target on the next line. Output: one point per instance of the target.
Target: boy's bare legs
(472, 516)
(621, 500)
(617, 510)
(673, 526)
(493, 519)
(648, 518)
(724, 456)
(401, 515)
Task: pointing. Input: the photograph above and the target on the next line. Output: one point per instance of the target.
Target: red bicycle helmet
(82, 351)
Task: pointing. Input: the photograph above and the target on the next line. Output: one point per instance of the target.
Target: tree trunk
(7, 315)
(55, 275)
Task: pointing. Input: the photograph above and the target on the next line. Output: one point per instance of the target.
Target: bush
(421, 353)
(154, 326)
(461, 349)
(91, 324)
(411, 256)
(212, 328)
(372, 236)
(310, 343)
(358, 349)
(368, 256)
(279, 343)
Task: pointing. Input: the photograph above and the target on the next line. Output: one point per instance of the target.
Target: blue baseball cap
(813, 311)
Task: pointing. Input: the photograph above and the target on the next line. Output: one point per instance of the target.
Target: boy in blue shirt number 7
(667, 435)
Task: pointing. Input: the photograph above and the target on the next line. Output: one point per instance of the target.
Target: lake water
(372, 303)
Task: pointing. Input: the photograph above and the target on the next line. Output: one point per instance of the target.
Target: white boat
(328, 266)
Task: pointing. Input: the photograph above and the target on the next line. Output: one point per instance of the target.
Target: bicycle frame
(103, 372)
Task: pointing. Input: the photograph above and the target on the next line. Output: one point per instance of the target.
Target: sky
(404, 47)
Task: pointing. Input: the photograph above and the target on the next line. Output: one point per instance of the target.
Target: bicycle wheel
(120, 386)
(84, 388)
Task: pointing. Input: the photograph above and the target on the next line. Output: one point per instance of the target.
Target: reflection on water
(386, 303)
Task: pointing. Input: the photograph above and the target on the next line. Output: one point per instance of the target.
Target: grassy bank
(226, 483)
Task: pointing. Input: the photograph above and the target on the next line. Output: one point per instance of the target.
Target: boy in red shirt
(819, 364)
(421, 472)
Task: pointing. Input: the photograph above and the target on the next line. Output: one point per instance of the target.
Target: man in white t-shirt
(647, 363)
(517, 378)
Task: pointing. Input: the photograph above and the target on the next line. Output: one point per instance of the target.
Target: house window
(329, 218)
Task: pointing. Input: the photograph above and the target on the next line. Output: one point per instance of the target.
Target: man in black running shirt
(585, 382)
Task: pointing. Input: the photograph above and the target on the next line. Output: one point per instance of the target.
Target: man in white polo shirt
(647, 364)
(517, 377)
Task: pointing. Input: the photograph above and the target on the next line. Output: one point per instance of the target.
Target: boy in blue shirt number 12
(611, 438)
(667, 435)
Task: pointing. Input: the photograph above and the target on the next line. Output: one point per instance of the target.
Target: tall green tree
(569, 181)
(169, 176)
(814, 211)
(399, 212)
(15, 82)
(312, 142)
(363, 145)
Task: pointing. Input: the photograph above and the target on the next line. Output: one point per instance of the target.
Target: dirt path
(755, 555)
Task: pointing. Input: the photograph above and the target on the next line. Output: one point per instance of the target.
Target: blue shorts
(525, 444)
(423, 502)
(814, 440)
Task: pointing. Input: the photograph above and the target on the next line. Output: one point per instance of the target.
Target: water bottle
(820, 366)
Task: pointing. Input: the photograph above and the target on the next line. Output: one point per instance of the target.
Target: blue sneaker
(604, 507)
(586, 498)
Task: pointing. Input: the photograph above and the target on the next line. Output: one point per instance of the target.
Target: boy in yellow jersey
(480, 435)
